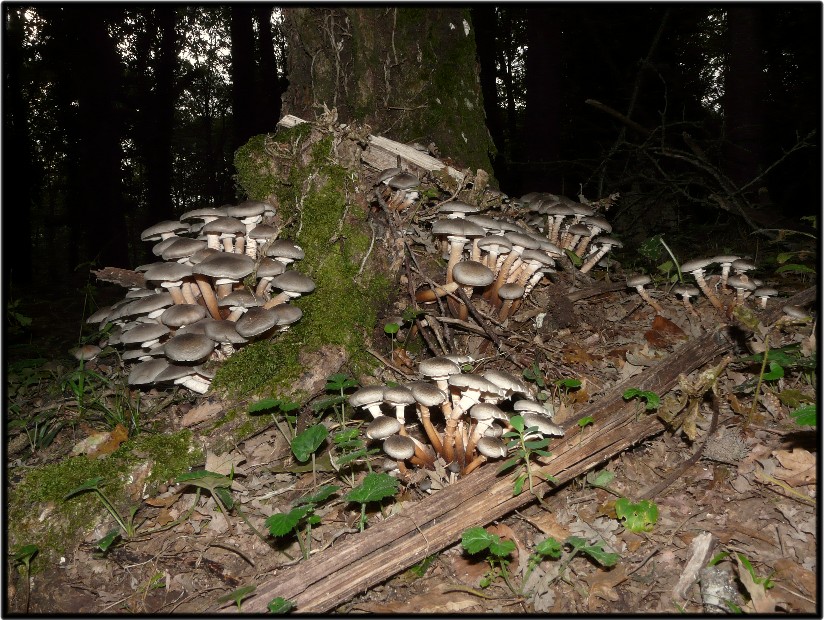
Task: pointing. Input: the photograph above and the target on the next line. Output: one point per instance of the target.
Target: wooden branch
(124, 277)
(383, 153)
(617, 115)
(334, 576)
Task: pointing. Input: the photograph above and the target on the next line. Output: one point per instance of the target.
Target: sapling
(301, 516)
(373, 488)
(524, 448)
(24, 555)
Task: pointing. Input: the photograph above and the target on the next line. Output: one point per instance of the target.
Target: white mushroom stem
(645, 296)
(174, 290)
(240, 244)
(431, 433)
(456, 246)
(187, 290)
(698, 274)
(594, 258)
(228, 243)
(686, 300)
(480, 428)
(251, 248)
(260, 290)
(425, 457)
(196, 383)
(280, 298)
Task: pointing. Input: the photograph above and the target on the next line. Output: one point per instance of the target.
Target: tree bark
(405, 71)
(268, 87)
(243, 74)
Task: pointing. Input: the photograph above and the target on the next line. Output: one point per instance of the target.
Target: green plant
(339, 382)
(280, 605)
(237, 595)
(284, 406)
(805, 416)
(349, 448)
(585, 421)
(477, 539)
(637, 517)
(391, 329)
(301, 516)
(373, 488)
(218, 487)
(535, 375)
(651, 400)
(127, 524)
(24, 555)
(307, 442)
(523, 449)
(601, 480)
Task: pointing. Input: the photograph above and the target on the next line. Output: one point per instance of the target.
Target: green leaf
(280, 605)
(507, 465)
(652, 399)
(25, 553)
(264, 405)
(806, 416)
(794, 268)
(108, 540)
(718, 557)
(501, 548)
(639, 517)
(205, 479)
(518, 486)
(92, 484)
(281, 523)
(322, 494)
(308, 441)
(517, 422)
(568, 384)
(576, 260)
(391, 328)
(601, 478)
(476, 539)
(586, 420)
(339, 381)
(595, 551)
(225, 496)
(374, 487)
(549, 547)
(776, 372)
(537, 444)
(328, 402)
(237, 595)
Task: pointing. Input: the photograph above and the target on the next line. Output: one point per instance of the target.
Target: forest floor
(752, 494)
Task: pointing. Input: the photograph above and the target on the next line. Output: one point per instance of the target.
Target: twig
(386, 362)
(480, 319)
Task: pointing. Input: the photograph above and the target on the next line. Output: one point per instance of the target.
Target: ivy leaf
(806, 416)
(652, 399)
(638, 517)
(339, 381)
(280, 605)
(595, 551)
(308, 441)
(550, 548)
(281, 523)
(374, 487)
(476, 539)
(204, 479)
(325, 492)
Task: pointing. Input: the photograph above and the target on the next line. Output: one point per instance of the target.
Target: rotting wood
(334, 576)
(383, 153)
(124, 277)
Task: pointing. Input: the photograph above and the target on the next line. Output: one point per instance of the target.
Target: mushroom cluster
(504, 260)
(473, 410)
(725, 290)
(224, 279)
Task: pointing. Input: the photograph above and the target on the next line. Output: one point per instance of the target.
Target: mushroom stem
(431, 433)
(477, 462)
(432, 294)
(702, 284)
(645, 296)
(460, 451)
(208, 295)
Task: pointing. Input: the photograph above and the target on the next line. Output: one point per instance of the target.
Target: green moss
(47, 486)
(335, 237)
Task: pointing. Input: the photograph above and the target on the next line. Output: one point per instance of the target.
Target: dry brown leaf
(762, 602)
(602, 584)
(664, 333)
(224, 464)
(798, 465)
(101, 444)
(201, 413)
(163, 501)
(548, 524)
(790, 572)
(575, 354)
(435, 601)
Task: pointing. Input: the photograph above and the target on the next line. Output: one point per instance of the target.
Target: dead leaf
(438, 600)
(575, 354)
(224, 464)
(789, 572)
(201, 413)
(761, 601)
(98, 445)
(548, 524)
(664, 333)
(798, 465)
(163, 501)
(602, 584)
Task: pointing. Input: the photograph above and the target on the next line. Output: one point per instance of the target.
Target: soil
(748, 506)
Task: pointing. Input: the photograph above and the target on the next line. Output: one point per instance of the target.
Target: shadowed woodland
(514, 312)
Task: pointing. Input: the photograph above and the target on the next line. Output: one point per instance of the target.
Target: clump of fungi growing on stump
(449, 414)
(223, 279)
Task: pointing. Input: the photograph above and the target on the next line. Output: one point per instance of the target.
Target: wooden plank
(334, 576)
(382, 153)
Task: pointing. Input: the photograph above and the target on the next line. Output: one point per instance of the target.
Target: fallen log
(124, 277)
(334, 576)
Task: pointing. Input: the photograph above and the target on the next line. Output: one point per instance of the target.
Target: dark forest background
(118, 116)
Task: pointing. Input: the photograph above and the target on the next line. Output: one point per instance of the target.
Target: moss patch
(318, 196)
(44, 489)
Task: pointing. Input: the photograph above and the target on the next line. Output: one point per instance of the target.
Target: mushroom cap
(472, 381)
(256, 321)
(388, 174)
(398, 395)
(182, 314)
(189, 347)
(382, 427)
(491, 447)
(530, 405)
(159, 247)
(404, 180)
(557, 208)
(286, 314)
(283, 248)
(263, 231)
(457, 227)
(537, 256)
(399, 447)
(742, 264)
(725, 259)
(486, 411)
(596, 221)
(152, 233)
(223, 331)
(610, 241)
(545, 425)
(521, 241)
(511, 290)
(506, 381)
(427, 394)
(270, 267)
(182, 247)
(638, 280)
(100, 315)
(167, 272)
(225, 225)
(226, 265)
(143, 333)
(438, 367)
(484, 221)
(696, 264)
(293, 282)
(686, 290)
(247, 208)
(145, 372)
(495, 243)
(472, 273)
(203, 213)
(457, 206)
(239, 299)
(174, 371)
(579, 230)
(198, 327)
(85, 352)
(203, 254)
(737, 282)
(765, 291)
(368, 395)
(795, 312)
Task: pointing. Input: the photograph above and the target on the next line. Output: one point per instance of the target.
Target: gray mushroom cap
(167, 272)
(270, 267)
(225, 265)
(486, 411)
(388, 174)
(545, 425)
(152, 233)
(225, 225)
(263, 231)
(491, 447)
(85, 352)
(511, 290)
(247, 208)
(457, 206)
(286, 314)
(457, 227)
(255, 322)
(438, 367)
(398, 395)
(530, 405)
(182, 314)
(144, 333)
(638, 280)
(223, 331)
(472, 381)
(382, 427)
(368, 395)
(203, 213)
(686, 290)
(697, 264)
(506, 381)
(795, 312)
(472, 273)
(293, 281)
(739, 283)
(189, 347)
(182, 247)
(145, 372)
(283, 248)
(427, 394)
(404, 180)
(239, 299)
(399, 447)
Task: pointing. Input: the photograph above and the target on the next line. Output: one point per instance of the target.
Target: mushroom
(596, 225)
(508, 293)
(267, 269)
(225, 334)
(170, 276)
(256, 322)
(607, 243)
(458, 232)
(725, 261)
(545, 424)
(226, 229)
(637, 282)
(686, 291)
(742, 287)
(285, 315)
(398, 397)
(238, 302)
(382, 427)
(763, 293)
(292, 285)
(485, 414)
(488, 448)
(426, 396)
(696, 268)
(370, 398)
(189, 348)
(226, 269)
(85, 352)
(182, 314)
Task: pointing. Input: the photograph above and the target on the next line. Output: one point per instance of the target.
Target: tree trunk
(744, 94)
(407, 72)
(243, 74)
(268, 89)
(543, 100)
